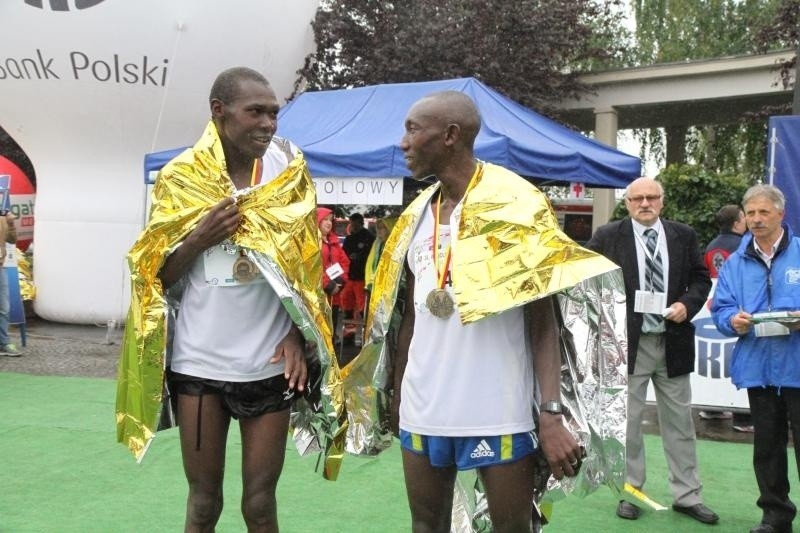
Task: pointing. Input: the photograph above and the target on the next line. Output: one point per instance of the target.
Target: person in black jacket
(731, 223)
(666, 284)
(357, 246)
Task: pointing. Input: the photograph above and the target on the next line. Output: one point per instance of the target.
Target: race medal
(439, 303)
(244, 270)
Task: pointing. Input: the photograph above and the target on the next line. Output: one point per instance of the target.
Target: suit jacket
(689, 283)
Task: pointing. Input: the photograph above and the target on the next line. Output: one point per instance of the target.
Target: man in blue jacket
(762, 276)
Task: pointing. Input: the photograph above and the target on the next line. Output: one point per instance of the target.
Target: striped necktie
(654, 278)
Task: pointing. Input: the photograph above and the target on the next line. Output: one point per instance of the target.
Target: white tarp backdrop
(87, 87)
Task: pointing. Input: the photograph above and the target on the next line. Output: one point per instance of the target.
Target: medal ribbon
(256, 175)
(441, 276)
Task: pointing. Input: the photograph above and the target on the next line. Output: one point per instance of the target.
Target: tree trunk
(796, 100)
(710, 161)
(676, 144)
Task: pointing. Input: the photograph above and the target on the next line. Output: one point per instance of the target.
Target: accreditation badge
(650, 302)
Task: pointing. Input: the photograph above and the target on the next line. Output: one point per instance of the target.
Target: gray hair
(660, 186)
(770, 192)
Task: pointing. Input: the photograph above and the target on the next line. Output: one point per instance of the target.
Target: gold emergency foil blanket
(279, 231)
(594, 390)
(27, 289)
(510, 251)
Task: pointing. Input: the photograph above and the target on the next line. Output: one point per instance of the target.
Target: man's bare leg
(203, 424)
(509, 493)
(430, 493)
(263, 452)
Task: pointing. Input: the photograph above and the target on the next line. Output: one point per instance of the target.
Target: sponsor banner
(97, 83)
(22, 206)
(367, 191)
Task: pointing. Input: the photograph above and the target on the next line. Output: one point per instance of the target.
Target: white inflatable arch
(87, 87)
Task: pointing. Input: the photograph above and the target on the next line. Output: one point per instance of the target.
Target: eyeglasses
(641, 198)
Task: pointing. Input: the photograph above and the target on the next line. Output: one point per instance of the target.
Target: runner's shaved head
(453, 107)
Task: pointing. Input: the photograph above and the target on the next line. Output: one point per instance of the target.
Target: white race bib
(218, 265)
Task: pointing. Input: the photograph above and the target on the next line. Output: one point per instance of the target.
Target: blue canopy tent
(356, 133)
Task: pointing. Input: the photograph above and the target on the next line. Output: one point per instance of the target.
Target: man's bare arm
(559, 446)
(219, 224)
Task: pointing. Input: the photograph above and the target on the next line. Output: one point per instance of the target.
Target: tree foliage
(681, 30)
(531, 50)
(782, 31)
(693, 195)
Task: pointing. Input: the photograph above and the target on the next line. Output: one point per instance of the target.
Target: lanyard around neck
(651, 256)
(256, 174)
(441, 275)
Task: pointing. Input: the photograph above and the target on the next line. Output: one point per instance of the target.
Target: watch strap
(552, 406)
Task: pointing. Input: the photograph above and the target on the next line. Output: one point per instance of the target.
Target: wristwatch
(553, 407)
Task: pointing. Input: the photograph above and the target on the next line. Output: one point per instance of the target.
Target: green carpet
(62, 471)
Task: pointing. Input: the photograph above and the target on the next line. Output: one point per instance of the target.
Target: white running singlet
(472, 380)
(229, 333)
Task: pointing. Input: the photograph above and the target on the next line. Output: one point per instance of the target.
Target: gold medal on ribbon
(440, 303)
(244, 270)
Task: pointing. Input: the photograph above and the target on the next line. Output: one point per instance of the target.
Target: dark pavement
(56, 349)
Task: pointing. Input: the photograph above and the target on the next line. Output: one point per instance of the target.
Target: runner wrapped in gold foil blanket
(510, 251)
(279, 232)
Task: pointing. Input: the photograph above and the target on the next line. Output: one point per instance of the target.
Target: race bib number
(218, 263)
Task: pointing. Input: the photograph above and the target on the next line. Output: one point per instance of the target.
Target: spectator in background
(383, 228)
(666, 284)
(763, 275)
(8, 234)
(357, 246)
(335, 264)
(731, 224)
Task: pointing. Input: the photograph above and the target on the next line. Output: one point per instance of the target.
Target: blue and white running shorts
(467, 453)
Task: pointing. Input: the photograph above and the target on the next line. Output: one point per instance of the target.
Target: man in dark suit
(666, 284)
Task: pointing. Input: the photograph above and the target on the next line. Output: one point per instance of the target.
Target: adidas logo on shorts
(482, 450)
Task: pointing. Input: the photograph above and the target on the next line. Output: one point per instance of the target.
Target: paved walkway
(55, 349)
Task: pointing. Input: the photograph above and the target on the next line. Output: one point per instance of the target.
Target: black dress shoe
(627, 510)
(769, 528)
(699, 512)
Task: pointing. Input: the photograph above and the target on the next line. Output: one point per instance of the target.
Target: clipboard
(782, 317)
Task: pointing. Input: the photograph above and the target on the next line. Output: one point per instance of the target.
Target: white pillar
(605, 129)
